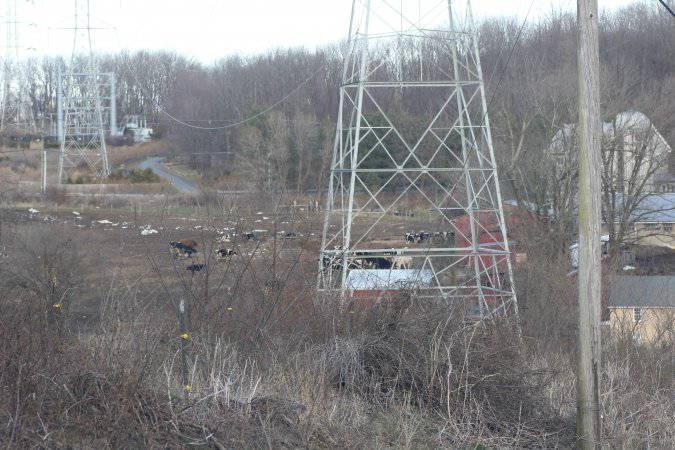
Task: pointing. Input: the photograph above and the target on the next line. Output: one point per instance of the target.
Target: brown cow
(189, 242)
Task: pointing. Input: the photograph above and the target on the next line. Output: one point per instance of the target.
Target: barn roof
(641, 291)
(384, 279)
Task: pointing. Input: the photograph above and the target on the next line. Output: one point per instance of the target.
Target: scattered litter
(146, 230)
(628, 268)
(33, 211)
(266, 218)
(76, 213)
(104, 221)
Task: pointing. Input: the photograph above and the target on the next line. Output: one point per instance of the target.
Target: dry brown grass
(266, 367)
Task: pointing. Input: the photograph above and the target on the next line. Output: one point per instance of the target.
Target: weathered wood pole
(590, 279)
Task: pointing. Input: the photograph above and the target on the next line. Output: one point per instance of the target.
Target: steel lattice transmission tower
(413, 149)
(86, 105)
(15, 105)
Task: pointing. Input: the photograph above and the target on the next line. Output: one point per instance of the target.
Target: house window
(637, 314)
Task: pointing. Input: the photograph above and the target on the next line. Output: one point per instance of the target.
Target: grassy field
(95, 355)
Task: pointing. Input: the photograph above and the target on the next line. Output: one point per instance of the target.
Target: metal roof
(655, 208)
(641, 291)
(384, 279)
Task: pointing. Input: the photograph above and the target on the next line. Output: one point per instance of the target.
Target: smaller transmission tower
(86, 104)
(15, 106)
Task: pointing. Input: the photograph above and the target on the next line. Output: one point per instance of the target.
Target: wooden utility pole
(590, 270)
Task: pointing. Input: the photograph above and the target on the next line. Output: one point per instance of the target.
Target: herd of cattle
(187, 248)
(425, 236)
(394, 259)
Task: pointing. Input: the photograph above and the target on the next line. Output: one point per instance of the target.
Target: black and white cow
(423, 236)
(179, 249)
(224, 253)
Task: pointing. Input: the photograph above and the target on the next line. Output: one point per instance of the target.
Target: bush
(134, 176)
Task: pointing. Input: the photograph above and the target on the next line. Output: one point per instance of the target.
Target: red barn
(519, 225)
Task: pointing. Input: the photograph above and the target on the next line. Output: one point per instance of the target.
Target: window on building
(637, 314)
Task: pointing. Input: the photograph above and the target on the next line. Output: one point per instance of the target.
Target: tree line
(269, 119)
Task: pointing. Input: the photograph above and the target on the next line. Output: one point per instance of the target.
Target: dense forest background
(275, 113)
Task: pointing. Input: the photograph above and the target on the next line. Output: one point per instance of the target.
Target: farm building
(635, 153)
(520, 224)
(368, 286)
(643, 307)
(653, 221)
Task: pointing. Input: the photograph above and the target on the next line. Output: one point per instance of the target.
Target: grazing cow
(402, 262)
(423, 236)
(195, 267)
(180, 249)
(332, 263)
(377, 263)
(410, 237)
(189, 242)
(274, 283)
(248, 235)
(223, 253)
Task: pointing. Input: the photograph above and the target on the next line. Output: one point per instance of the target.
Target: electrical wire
(162, 110)
(665, 5)
(248, 119)
(508, 60)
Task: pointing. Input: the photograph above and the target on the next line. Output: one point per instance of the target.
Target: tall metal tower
(15, 105)
(413, 176)
(86, 103)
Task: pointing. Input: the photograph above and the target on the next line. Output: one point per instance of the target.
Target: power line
(665, 5)
(223, 127)
(248, 119)
(508, 59)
